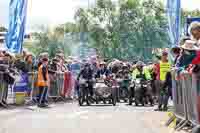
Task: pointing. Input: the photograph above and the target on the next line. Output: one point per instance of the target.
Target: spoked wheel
(104, 101)
(88, 103)
(130, 100)
(143, 104)
(136, 103)
(125, 94)
(87, 97)
(114, 100)
(114, 97)
(131, 95)
(142, 101)
(117, 95)
(125, 100)
(80, 99)
(97, 101)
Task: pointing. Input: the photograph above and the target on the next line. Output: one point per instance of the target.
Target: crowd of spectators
(187, 53)
(12, 66)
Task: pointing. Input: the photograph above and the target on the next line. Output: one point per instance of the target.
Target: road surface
(70, 118)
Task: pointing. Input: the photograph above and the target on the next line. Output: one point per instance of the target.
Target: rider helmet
(140, 63)
(87, 64)
(125, 66)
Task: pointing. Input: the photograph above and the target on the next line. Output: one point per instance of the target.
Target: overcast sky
(59, 11)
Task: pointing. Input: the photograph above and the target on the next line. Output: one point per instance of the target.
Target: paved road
(70, 118)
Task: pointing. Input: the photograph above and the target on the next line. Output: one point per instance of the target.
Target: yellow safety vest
(164, 68)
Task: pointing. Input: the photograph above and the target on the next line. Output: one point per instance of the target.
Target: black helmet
(87, 64)
(125, 66)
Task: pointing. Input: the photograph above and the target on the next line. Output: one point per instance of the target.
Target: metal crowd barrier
(56, 86)
(3, 90)
(196, 98)
(186, 98)
(191, 97)
(57, 89)
(178, 93)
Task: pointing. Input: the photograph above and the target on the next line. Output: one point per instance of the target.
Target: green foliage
(194, 13)
(126, 30)
(3, 29)
(48, 41)
(186, 14)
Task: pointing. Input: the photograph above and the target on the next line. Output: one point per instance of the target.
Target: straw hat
(189, 45)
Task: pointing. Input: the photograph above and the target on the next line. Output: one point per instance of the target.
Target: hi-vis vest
(145, 73)
(164, 68)
(41, 82)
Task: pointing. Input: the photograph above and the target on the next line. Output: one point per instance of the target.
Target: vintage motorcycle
(83, 93)
(105, 91)
(141, 93)
(123, 89)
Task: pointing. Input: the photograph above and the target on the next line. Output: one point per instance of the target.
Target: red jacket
(196, 60)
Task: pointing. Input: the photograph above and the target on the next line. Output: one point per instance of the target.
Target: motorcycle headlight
(144, 85)
(137, 81)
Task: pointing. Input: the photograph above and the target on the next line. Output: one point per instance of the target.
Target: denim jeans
(42, 95)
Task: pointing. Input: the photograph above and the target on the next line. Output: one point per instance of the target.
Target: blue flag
(17, 23)
(174, 20)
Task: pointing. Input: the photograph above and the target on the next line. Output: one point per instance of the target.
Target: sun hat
(189, 45)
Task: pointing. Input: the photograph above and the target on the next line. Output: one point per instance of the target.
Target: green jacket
(145, 72)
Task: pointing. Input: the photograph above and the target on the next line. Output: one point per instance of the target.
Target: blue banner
(22, 84)
(174, 20)
(17, 23)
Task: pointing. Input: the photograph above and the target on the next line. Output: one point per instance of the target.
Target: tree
(185, 14)
(124, 30)
(3, 29)
(49, 41)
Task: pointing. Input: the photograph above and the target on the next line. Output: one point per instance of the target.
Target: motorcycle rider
(144, 74)
(87, 74)
(140, 72)
(102, 71)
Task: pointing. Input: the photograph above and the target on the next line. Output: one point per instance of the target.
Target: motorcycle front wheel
(80, 98)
